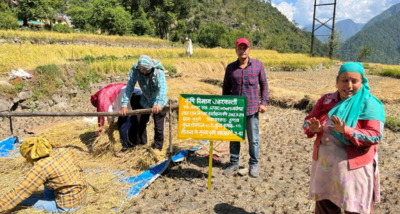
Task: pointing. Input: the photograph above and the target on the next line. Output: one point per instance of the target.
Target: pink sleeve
(315, 112)
(366, 133)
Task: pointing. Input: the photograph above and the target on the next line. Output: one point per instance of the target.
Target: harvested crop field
(285, 155)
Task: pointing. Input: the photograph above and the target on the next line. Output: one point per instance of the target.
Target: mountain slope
(346, 28)
(264, 24)
(384, 38)
(349, 28)
(384, 15)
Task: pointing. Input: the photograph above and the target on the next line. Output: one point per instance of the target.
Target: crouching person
(60, 173)
(149, 73)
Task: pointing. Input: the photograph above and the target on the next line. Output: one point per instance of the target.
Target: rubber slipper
(215, 158)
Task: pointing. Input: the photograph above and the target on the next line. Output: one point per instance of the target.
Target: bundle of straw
(108, 142)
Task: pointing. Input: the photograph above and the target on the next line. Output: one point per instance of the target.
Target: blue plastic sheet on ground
(180, 156)
(7, 147)
(145, 179)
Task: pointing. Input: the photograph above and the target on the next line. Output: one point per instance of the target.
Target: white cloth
(117, 104)
(190, 48)
(20, 73)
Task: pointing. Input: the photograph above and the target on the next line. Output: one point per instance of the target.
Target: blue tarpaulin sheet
(7, 146)
(145, 179)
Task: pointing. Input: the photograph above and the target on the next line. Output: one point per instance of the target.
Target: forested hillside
(209, 23)
(393, 10)
(382, 38)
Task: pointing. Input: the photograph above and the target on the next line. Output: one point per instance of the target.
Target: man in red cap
(242, 78)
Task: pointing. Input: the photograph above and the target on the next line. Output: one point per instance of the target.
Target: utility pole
(332, 36)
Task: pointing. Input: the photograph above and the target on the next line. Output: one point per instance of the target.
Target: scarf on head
(38, 147)
(361, 106)
(146, 63)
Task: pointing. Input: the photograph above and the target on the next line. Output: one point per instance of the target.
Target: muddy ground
(285, 157)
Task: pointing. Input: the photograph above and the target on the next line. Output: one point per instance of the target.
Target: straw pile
(95, 155)
(99, 151)
(108, 142)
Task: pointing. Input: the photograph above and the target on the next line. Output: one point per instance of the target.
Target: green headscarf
(361, 106)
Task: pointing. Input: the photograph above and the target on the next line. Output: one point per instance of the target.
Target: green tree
(166, 12)
(140, 24)
(180, 30)
(163, 20)
(80, 17)
(97, 13)
(8, 20)
(365, 52)
(116, 21)
(37, 9)
(337, 43)
(212, 35)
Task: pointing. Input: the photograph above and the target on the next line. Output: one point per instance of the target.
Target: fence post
(11, 126)
(170, 130)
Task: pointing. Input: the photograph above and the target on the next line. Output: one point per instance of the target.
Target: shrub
(48, 80)
(61, 28)
(393, 124)
(8, 21)
(171, 70)
(391, 73)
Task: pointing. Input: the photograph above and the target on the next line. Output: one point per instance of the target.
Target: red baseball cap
(243, 41)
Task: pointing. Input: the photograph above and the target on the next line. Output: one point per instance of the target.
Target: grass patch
(390, 73)
(216, 82)
(48, 79)
(8, 91)
(387, 72)
(294, 67)
(51, 79)
(17, 87)
(91, 59)
(171, 70)
(328, 64)
(393, 124)
(86, 77)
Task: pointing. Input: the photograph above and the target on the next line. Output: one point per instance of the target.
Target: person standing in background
(242, 78)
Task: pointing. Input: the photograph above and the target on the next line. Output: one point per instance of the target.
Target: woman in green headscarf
(60, 173)
(348, 124)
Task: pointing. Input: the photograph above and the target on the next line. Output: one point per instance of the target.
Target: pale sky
(360, 11)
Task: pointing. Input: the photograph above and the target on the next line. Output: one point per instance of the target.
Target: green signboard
(212, 117)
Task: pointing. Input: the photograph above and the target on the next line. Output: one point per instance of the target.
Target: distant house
(32, 23)
(63, 19)
(58, 19)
